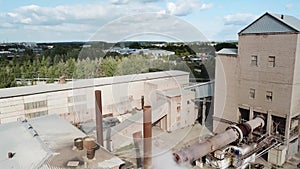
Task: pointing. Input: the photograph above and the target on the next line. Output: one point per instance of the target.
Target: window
(253, 60)
(35, 105)
(252, 93)
(271, 61)
(77, 108)
(36, 114)
(269, 96)
(77, 98)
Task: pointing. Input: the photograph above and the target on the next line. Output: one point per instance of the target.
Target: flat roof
(29, 151)
(86, 83)
(228, 51)
(175, 92)
(46, 141)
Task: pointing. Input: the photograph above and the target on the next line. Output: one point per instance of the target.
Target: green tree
(108, 66)
(222, 45)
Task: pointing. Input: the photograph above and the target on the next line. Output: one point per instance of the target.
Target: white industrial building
(75, 101)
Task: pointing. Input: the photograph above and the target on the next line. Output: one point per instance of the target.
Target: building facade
(262, 78)
(173, 106)
(75, 101)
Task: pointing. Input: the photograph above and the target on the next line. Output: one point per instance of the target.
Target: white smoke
(166, 161)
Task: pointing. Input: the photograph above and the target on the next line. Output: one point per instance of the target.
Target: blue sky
(77, 20)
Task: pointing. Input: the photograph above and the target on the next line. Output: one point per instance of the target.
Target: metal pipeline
(98, 110)
(147, 132)
(234, 133)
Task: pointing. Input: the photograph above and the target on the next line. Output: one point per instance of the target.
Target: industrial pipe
(98, 110)
(147, 132)
(232, 134)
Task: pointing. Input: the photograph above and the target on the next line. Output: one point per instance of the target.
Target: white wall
(118, 96)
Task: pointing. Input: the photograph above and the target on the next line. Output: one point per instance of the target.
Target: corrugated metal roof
(228, 51)
(289, 20)
(273, 23)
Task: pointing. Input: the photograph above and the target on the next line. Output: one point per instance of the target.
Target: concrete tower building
(262, 77)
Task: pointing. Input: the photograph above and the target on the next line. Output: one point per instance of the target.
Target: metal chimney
(10, 154)
(281, 16)
(98, 110)
(147, 132)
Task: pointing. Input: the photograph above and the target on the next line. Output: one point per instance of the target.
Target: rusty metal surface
(256, 122)
(200, 149)
(98, 110)
(147, 132)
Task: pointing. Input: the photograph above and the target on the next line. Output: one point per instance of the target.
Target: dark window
(252, 93)
(271, 61)
(253, 60)
(269, 96)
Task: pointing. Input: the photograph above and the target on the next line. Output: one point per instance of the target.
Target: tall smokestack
(147, 132)
(98, 110)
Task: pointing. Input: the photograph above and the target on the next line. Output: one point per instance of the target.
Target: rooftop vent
(89, 142)
(62, 80)
(22, 120)
(78, 143)
(28, 126)
(33, 132)
(281, 16)
(10, 154)
(90, 153)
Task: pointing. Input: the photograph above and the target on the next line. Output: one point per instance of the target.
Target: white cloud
(239, 19)
(289, 6)
(119, 2)
(6, 25)
(35, 15)
(185, 7)
(206, 6)
(67, 20)
(149, 24)
(124, 2)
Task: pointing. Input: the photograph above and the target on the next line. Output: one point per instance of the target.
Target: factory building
(262, 78)
(121, 98)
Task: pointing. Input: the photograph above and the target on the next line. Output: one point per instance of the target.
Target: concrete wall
(117, 97)
(235, 76)
(188, 113)
(226, 87)
(262, 78)
(295, 106)
(239, 76)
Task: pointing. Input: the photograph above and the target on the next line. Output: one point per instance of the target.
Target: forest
(74, 61)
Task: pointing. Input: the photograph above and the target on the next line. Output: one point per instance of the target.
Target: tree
(210, 67)
(70, 67)
(133, 65)
(108, 66)
(220, 46)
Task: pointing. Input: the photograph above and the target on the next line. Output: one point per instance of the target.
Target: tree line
(79, 63)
